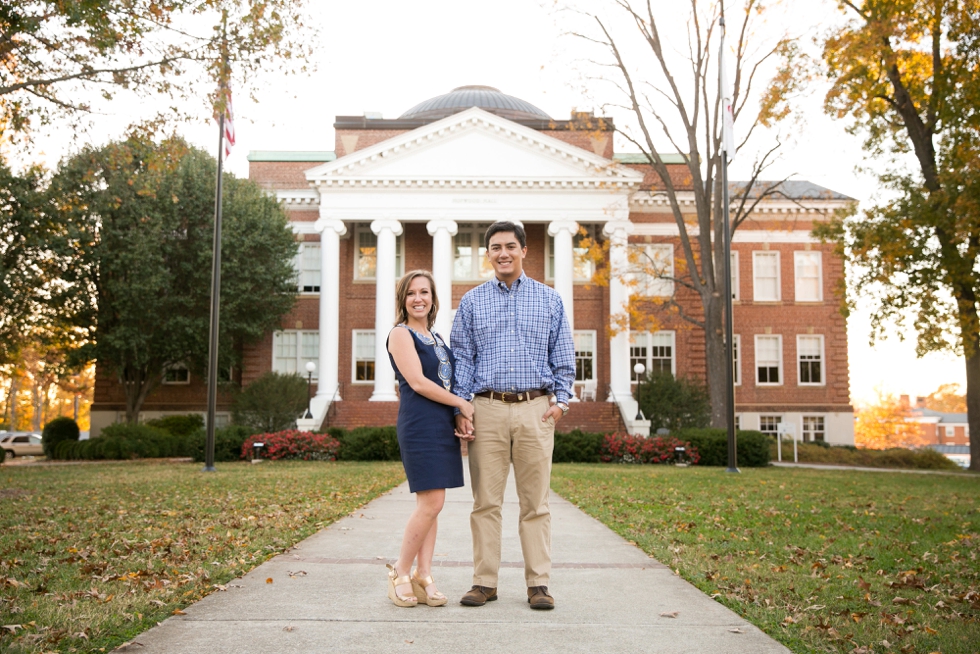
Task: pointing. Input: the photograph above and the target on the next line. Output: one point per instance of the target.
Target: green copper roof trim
(277, 155)
(640, 158)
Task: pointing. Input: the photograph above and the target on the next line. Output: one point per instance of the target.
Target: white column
(331, 229)
(563, 231)
(384, 308)
(618, 232)
(442, 231)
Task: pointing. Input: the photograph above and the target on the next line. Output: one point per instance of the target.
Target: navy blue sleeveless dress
(426, 429)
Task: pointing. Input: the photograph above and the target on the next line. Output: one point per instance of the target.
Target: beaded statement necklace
(445, 367)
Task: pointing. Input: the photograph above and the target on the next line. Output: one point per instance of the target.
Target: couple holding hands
(503, 387)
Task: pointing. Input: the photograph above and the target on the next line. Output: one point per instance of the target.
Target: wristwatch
(563, 407)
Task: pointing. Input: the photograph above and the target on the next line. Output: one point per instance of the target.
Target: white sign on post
(789, 429)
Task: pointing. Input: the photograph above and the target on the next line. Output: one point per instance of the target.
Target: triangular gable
(475, 145)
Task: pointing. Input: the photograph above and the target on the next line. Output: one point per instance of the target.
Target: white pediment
(474, 148)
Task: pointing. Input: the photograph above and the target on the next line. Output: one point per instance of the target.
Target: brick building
(419, 191)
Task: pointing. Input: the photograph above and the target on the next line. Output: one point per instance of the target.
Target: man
(515, 359)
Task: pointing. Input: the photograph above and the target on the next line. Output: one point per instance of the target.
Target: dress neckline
(428, 340)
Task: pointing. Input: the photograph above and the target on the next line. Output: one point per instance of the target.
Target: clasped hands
(464, 420)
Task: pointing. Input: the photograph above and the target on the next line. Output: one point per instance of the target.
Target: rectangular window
(308, 268)
(809, 277)
(769, 424)
(736, 349)
(809, 351)
(364, 356)
(768, 360)
(655, 351)
(950, 431)
(652, 269)
(366, 253)
(813, 429)
(584, 356)
(470, 260)
(292, 349)
(735, 276)
(177, 374)
(738, 422)
(765, 276)
(582, 267)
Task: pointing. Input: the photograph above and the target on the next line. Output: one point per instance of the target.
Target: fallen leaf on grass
(219, 587)
(179, 612)
(930, 631)
(669, 614)
(901, 600)
(157, 602)
(12, 628)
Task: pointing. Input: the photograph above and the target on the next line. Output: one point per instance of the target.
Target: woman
(426, 433)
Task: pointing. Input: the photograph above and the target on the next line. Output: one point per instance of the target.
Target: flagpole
(725, 201)
(216, 267)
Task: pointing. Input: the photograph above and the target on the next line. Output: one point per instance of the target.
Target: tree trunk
(715, 359)
(14, 390)
(138, 385)
(973, 407)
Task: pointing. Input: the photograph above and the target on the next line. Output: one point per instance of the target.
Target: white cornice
(741, 235)
(354, 169)
(298, 197)
(648, 200)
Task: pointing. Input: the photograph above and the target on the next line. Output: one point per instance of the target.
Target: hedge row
(708, 446)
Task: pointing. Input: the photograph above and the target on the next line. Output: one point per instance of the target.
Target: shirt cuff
(562, 397)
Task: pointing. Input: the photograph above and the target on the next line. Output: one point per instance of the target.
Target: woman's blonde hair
(401, 294)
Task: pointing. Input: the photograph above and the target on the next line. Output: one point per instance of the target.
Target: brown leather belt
(513, 397)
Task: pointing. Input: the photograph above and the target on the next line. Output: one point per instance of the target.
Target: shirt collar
(517, 283)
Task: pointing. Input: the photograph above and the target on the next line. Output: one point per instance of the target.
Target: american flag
(229, 125)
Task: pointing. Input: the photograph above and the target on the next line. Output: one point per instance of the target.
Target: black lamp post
(639, 369)
(310, 367)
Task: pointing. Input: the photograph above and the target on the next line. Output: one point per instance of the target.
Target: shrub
(292, 444)
(752, 447)
(369, 444)
(577, 447)
(818, 452)
(271, 403)
(674, 403)
(629, 448)
(124, 441)
(227, 443)
(179, 425)
(56, 431)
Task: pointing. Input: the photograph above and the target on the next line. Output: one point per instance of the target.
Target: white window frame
(756, 293)
(368, 336)
(362, 229)
(736, 278)
(591, 333)
(950, 431)
(305, 352)
(822, 360)
(809, 435)
(177, 367)
(775, 421)
(779, 366)
(645, 285)
(645, 340)
(477, 234)
(799, 258)
(736, 359)
(305, 271)
(578, 255)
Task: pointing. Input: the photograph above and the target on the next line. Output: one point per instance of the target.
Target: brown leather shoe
(478, 596)
(538, 598)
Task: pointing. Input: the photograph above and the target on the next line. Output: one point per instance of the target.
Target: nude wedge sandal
(418, 587)
(406, 601)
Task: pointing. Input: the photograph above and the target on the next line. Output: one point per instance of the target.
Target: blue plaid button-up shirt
(513, 340)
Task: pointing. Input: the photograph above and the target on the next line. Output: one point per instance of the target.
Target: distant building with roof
(419, 191)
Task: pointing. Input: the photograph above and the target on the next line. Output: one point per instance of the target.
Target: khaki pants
(508, 433)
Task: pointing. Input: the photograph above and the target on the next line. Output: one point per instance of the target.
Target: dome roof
(484, 97)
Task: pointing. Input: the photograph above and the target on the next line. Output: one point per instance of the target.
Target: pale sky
(388, 55)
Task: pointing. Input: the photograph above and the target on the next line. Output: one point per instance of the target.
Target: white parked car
(21, 444)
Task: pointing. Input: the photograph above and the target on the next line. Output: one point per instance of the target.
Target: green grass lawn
(824, 561)
(91, 555)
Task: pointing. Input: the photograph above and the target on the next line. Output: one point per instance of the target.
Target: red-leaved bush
(630, 448)
(292, 444)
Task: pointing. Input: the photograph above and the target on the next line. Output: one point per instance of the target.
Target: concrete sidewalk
(329, 595)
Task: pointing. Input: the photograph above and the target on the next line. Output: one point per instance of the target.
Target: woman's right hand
(466, 409)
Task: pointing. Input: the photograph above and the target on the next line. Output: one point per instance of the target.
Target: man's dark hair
(505, 226)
